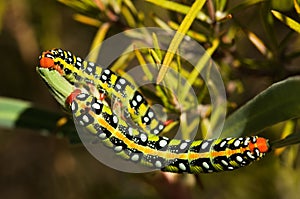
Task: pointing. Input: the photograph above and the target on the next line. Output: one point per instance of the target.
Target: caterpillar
(75, 70)
(158, 152)
(137, 144)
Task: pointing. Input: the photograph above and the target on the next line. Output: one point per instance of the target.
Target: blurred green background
(37, 166)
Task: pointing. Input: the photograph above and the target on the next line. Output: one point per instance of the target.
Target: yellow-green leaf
(180, 8)
(286, 20)
(183, 28)
(296, 6)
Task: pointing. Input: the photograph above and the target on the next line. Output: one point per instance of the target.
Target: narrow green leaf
(156, 46)
(243, 5)
(143, 64)
(87, 20)
(289, 140)
(258, 43)
(286, 20)
(193, 34)
(10, 109)
(161, 23)
(130, 6)
(180, 8)
(96, 44)
(183, 28)
(130, 19)
(278, 103)
(198, 68)
(296, 6)
(16, 113)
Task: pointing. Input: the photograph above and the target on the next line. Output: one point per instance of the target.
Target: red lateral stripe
(72, 96)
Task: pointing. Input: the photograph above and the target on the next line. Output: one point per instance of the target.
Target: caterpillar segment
(77, 72)
(158, 152)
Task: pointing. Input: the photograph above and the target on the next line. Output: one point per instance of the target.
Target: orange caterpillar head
(47, 61)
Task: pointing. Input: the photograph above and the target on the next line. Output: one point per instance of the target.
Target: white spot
(107, 72)
(104, 77)
(250, 155)
(118, 148)
(118, 86)
(230, 168)
(228, 139)
(102, 135)
(224, 162)
(241, 139)
(134, 103)
(223, 143)
(160, 127)
(182, 166)
(85, 119)
(239, 158)
(73, 106)
(237, 143)
(183, 145)
(78, 59)
(122, 81)
(81, 96)
(81, 123)
(257, 152)
(247, 141)
(135, 157)
(139, 98)
(150, 114)
(146, 119)
(156, 132)
(163, 143)
(130, 131)
(158, 164)
(89, 69)
(143, 137)
(99, 101)
(115, 119)
(47, 55)
(96, 106)
(91, 64)
(204, 145)
(205, 165)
